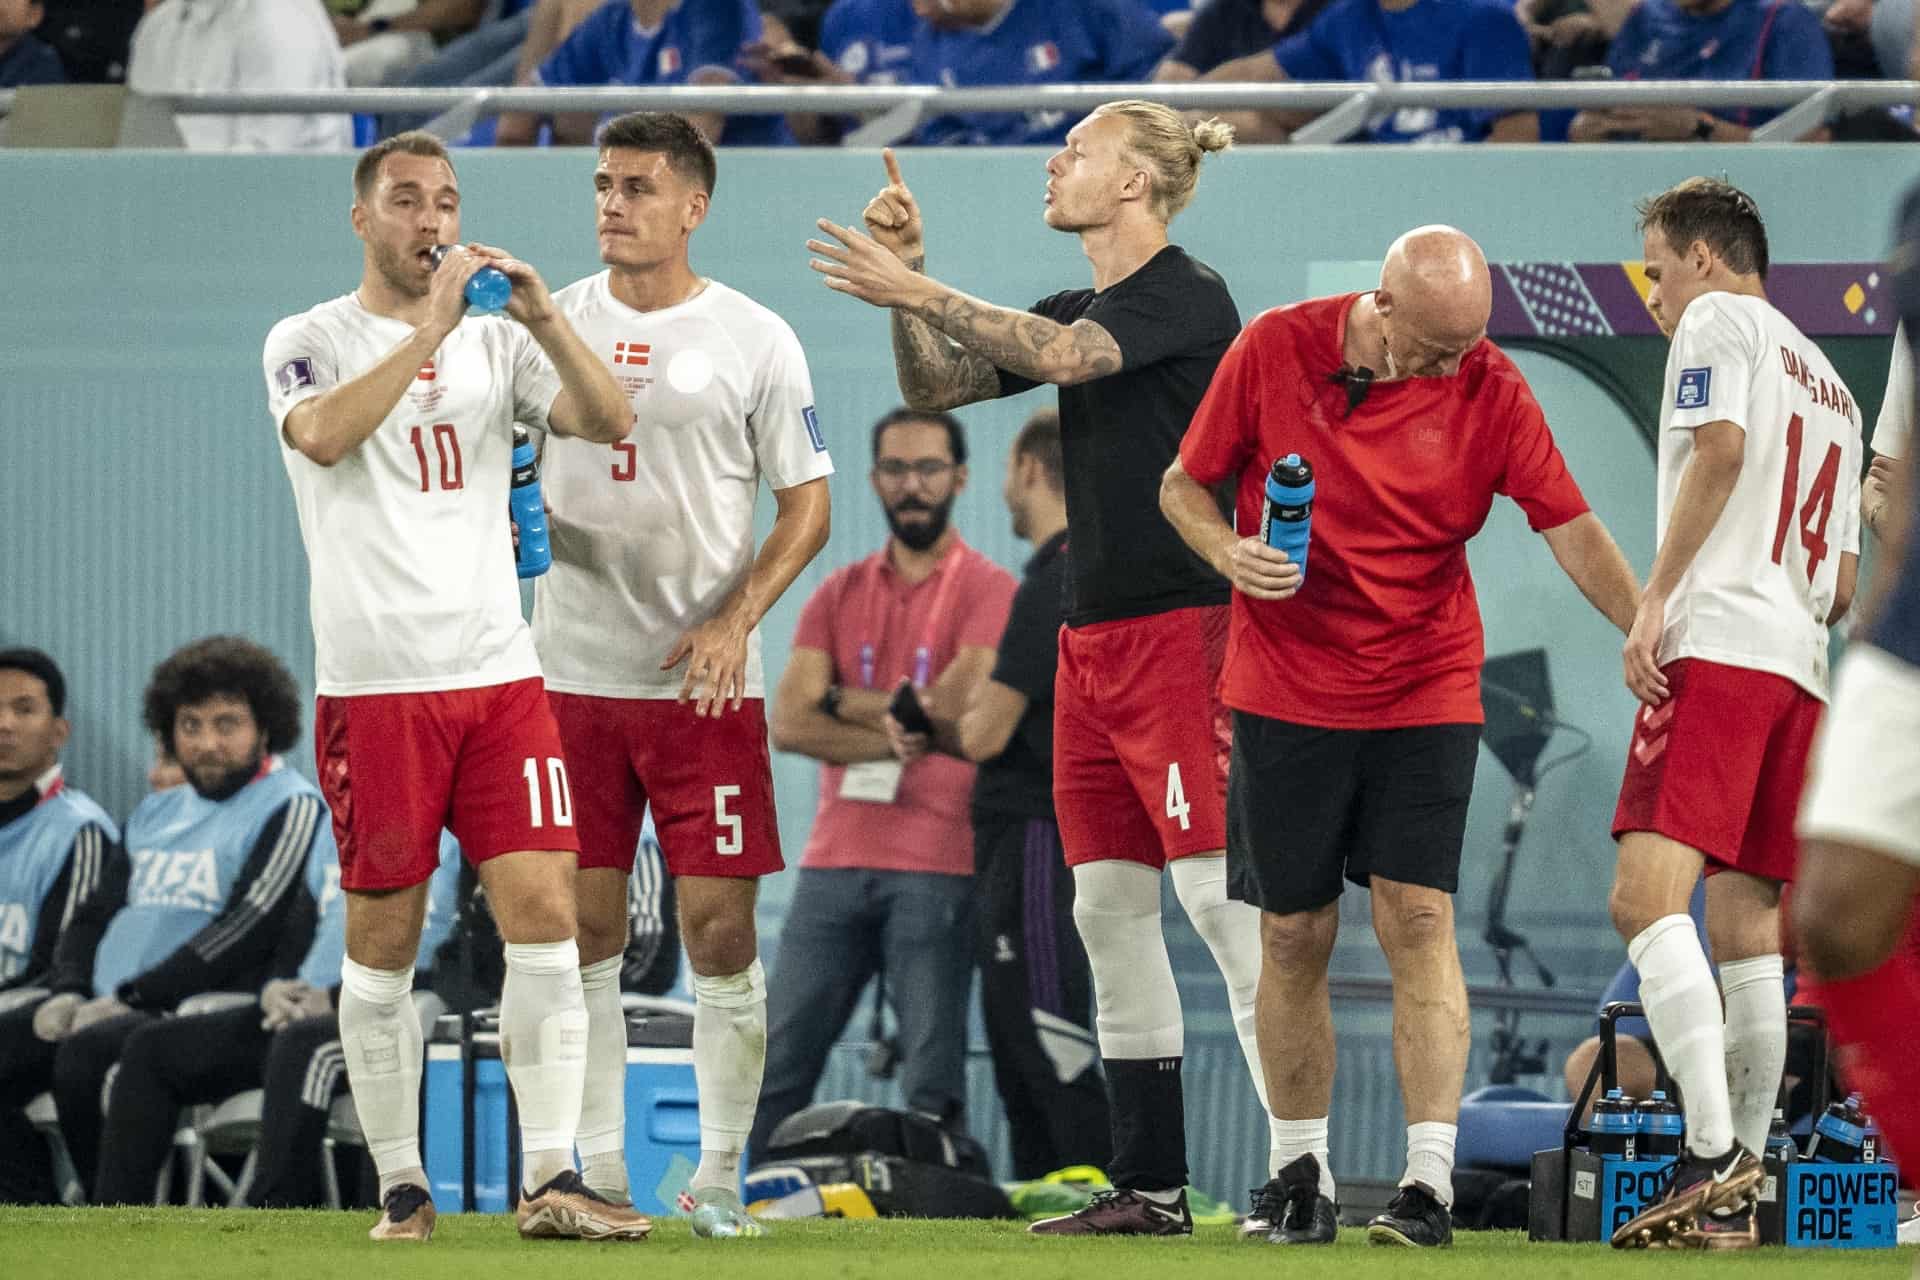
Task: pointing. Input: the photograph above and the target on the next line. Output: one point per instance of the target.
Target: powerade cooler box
(1578, 1195)
(471, 1136)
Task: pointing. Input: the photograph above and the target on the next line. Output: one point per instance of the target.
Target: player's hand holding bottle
(447, 294)
(531, 303)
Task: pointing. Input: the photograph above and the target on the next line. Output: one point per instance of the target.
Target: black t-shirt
(1173, 319)
(1019, 781)
(1223, 30)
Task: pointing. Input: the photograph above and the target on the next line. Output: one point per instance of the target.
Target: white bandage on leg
(543, 1038)
(729, 1058)
(381, 1041)
(601, 1138)
(1116, 906)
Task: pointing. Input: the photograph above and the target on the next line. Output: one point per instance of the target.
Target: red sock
(1877, 1015)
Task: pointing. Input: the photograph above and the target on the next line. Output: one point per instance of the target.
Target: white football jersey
(408, 536)
(651, 534)
(1760, 590)
(1894, 427)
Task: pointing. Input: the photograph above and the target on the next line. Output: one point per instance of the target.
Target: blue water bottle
(1840, 1135)
(1659, 1127)
(523, 502)
(1614, 1128)
(487, 289)
(1286, 516)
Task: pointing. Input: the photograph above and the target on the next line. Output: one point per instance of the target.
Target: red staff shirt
(1386, 631)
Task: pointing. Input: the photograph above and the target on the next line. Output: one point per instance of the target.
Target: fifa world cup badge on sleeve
(295, 374)
(1694, 387)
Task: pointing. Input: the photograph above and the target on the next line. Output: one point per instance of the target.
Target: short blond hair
(1171, 148)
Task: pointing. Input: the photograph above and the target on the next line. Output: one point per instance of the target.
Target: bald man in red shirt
(1356, 692)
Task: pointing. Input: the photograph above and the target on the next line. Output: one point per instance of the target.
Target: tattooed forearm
(934, 371)
(1021, 342)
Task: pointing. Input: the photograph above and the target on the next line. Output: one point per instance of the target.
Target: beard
(918, 537)
(221, 784)
(397, 269)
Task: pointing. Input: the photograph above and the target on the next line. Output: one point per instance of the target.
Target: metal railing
(1343, 107)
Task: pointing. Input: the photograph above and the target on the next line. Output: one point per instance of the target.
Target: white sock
(381, 1041)
(601, 1138)
(543, 1037)
(1162, 1198)
(729, 1057)
(1116, 908)
(1295, 1138)
(1430, 1158)
(1231, 931)
(1756, 1000)
(1683, 1008)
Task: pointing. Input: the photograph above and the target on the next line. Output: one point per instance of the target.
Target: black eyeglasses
(898, 469)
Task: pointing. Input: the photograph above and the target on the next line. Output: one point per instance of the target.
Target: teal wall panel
(142, 500)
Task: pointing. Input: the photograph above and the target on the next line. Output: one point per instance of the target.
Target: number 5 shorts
(1309, 808)
(708, 780)
(397, 767)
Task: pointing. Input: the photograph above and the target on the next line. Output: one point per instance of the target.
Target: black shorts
(1307, 806)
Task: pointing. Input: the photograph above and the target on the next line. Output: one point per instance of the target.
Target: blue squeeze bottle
(523, 502)
(1614, 1128)
(1840, 1134)
(1286, 515)
(1659, 1126)
(487, 289)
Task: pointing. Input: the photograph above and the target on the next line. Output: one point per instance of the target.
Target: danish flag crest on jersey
(632, 353)
(426, 373)
(1044, 56)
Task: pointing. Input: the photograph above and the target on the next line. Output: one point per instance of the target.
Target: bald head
(1437, 295)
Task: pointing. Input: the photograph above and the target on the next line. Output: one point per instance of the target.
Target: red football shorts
(709, 780)
(397, 767)
(1720, 764)
(1141, 739)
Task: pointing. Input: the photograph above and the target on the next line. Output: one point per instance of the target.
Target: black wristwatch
(1703, 129)
(380, 26)
(830, 700)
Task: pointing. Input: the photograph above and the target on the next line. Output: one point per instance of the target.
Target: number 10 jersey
(408, 536)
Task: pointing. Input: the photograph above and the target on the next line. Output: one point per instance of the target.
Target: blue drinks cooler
(663, 1115)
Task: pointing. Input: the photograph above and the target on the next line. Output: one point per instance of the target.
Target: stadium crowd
(159, 45)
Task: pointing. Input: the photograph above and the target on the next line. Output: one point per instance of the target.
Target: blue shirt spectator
(870, 40)
(1707, 40)
(1018, 42)
(652, 42)
(24, 57)
(1425, 41)
(1223, 30)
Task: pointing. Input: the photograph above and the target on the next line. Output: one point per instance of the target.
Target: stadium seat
(232, 1127)
(45, 1117)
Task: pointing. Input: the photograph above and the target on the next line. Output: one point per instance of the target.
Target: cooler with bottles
(1840, 1192)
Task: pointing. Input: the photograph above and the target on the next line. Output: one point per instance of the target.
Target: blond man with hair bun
(1140, 736)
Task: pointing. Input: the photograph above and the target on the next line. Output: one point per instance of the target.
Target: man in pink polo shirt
(885, 883)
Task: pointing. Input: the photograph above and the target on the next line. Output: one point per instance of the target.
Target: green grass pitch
(179, 1244)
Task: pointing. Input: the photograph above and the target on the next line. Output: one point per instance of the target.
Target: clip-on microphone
(1357, 381)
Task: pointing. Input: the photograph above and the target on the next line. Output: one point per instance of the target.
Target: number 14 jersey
(1760, 590)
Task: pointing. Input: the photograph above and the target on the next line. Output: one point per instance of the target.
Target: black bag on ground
(901, 1188)
(849, 1128)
